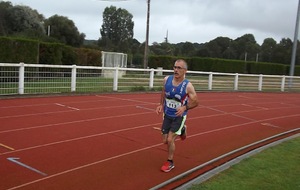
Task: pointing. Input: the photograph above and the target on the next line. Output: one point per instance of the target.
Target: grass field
(276, 168)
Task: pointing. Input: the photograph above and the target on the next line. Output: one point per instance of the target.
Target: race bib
(172, 104)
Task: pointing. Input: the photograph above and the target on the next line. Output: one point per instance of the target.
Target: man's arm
(159, 108)
(193, 100)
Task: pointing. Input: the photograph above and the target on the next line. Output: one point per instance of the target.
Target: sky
(196, 21)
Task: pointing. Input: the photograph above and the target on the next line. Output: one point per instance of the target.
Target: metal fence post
(282, 83)
(210, 79)
(260, 82)
(236, 81)
(116, 74)
(73, 78)
(21, 78)
(151, 79)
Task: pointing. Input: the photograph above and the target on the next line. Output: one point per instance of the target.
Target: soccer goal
(111, 60)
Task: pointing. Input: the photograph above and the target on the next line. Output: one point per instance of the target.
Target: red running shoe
(183, 132)
(168, 166)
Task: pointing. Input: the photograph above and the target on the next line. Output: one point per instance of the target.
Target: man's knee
(170, 139)
(165, 140)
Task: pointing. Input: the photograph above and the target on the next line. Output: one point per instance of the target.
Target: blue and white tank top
(175, 96)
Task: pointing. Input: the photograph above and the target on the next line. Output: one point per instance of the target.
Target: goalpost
(113, 59)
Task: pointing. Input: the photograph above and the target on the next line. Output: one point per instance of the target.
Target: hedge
(18, 50)
(15, 50)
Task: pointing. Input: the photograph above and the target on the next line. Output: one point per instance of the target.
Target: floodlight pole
(293, 60)
(147, 36)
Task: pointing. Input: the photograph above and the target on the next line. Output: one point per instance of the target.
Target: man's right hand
(159, 109)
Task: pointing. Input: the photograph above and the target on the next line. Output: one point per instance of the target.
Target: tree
(117, 28)
(247, 47)
(64, 30)
(217, 46)
(230, 51)
(162, 48)
(267, 50)
(283, 51)
(4, 7)
(25, 21)
(187, 49)
(203, 52)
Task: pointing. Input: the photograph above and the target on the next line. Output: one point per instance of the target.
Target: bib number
(172, 104)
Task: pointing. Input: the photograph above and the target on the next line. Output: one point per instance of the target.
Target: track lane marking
(7, 147)
(85, 166)
(271, 125)
(66, 111)
(138, 127)
(80, 138)
(15, 160)
(126, 99)
(73, 122)
(62, 105)
(145, 108)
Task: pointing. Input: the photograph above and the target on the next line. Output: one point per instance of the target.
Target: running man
(177, 97)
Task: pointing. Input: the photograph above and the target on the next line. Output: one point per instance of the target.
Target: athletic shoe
(168, 166)
(183, 133)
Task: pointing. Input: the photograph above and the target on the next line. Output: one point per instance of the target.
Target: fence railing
(23, 78)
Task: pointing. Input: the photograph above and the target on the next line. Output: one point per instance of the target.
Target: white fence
(43, 79)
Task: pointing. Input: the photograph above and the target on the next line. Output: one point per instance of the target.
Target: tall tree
(267, 50)
(64, 30)
(187, 49)
(283, 51)
(162, 49)
(247, 47)
(24, 20)
(117, 28)
(218, 46)
(4, 8)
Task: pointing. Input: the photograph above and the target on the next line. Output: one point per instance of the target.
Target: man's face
(179, 69)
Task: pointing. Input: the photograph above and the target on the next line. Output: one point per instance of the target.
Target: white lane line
(16, 161)
(124, 99)
(62, 105)
(66, 111)
(80, 138)
(142, 107)
(85, 166)
(228, 113)
(73, 122)
(259, 107)
(271, 125)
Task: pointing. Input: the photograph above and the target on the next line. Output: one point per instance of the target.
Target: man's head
(180, 68)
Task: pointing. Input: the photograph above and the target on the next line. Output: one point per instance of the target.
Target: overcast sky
(196, 21)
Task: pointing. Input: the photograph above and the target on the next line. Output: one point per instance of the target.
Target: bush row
(14, 50)
(224, 65)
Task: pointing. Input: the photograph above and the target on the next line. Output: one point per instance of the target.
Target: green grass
(277, 168)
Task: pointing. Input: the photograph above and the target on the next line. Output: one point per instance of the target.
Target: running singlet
(175, 96)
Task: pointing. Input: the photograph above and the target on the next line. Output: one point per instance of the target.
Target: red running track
(108, 141)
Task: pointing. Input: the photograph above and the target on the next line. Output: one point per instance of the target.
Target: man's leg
(170, 141)
(165, 138)
(183, 132)
(171, 145)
